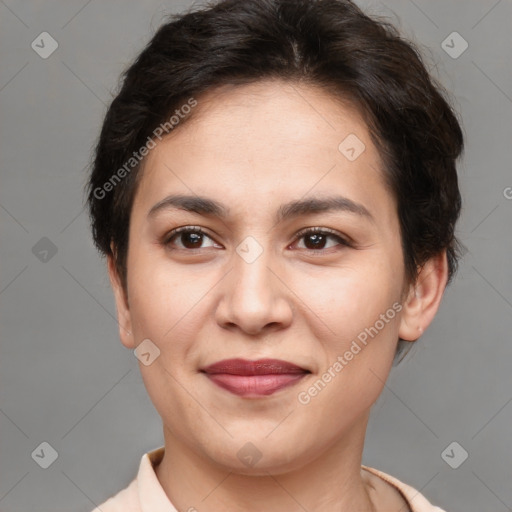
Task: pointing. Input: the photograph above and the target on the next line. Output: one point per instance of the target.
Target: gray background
(65, 378)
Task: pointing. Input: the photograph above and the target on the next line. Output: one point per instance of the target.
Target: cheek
(348, 301)
(356, 320)
(163, 308)
(357, 364)
(162, 297)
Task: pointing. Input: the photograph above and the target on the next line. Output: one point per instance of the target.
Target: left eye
(316, 239)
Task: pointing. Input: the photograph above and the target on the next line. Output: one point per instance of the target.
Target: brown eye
(316, 239)
(187, 238)
(190, 240)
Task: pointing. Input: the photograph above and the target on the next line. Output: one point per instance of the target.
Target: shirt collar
(153, 498)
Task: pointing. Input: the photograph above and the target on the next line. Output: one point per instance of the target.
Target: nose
(255, 298)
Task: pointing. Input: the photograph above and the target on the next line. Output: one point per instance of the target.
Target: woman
(275, 190)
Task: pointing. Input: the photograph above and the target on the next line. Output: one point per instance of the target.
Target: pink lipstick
(254, 378)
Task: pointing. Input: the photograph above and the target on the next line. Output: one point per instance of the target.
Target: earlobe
(123, 311)
(424, 297)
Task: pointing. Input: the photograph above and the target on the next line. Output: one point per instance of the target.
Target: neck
(331, 481)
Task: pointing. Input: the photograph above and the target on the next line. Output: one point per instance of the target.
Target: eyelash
(301, 234)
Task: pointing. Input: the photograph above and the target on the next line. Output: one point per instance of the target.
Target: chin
(253, 456)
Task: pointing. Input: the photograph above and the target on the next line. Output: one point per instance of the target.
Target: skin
(254, 148)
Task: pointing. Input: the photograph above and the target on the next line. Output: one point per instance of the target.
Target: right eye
(188, 238)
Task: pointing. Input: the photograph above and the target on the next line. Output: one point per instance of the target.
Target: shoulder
(415, 500)
(126, 500)
(144, 488)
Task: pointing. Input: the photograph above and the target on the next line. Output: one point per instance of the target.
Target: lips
(254, 378)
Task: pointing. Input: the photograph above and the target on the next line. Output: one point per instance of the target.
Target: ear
(424, 297)
(123, 311)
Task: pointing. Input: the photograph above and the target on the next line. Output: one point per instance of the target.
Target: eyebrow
(210, 207)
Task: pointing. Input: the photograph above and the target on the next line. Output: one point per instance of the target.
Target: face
(294, 256)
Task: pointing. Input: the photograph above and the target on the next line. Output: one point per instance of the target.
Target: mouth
(254, 378)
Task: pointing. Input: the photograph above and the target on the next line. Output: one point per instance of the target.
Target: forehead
(272, 110)
(267, 140)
